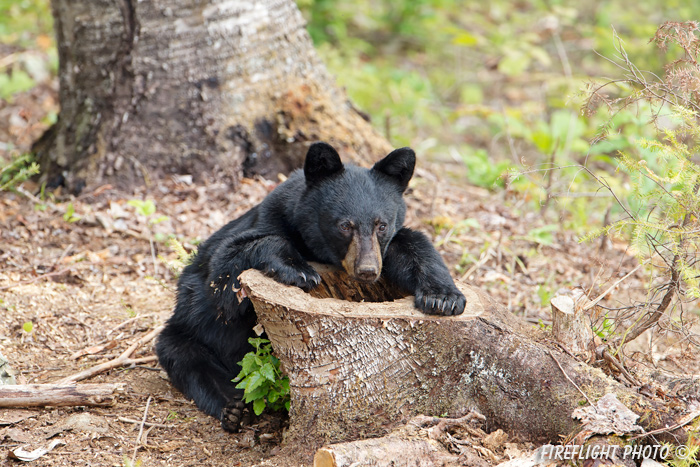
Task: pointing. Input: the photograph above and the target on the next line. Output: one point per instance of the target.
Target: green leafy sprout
(16, 171)
(70, 215)
(262, 380)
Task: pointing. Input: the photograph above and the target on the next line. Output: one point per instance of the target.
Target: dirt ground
(78, 290)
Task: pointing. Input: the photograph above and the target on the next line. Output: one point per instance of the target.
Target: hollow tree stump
(357, 369)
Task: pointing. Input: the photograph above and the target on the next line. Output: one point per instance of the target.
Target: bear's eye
(381, 227)
(345, 226)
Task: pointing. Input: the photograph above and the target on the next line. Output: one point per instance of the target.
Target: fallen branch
(122, 360)
(422, 438)
(384, 452)
(40, 395)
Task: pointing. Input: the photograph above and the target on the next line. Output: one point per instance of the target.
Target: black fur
(329, 213)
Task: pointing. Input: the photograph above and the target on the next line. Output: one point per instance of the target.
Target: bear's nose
(368, 273)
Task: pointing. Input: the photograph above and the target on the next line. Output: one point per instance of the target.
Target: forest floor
(82, 272)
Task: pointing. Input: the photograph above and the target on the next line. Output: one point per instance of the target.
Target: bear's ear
(322, 161)
(398, 165)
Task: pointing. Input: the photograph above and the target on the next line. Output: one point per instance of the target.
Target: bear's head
(348, 215)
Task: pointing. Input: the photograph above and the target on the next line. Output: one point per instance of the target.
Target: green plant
(22, 21)
(662, 216)
(542, 235)
(147, 210)
(144, 208)
(482, 170)
(30, 57)
(183, 257)
(690, 451)
(262, 379)
(128, 308)
(545, 293)
(28, 327)
(605, 329)
(69, 215)
(410, 65)
(16, 171)
(131, 463)
(173, 415)
(15, 82)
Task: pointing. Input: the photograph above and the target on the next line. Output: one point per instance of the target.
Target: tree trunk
(190, 86)
(357, 370)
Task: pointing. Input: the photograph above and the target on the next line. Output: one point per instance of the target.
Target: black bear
(330, 213)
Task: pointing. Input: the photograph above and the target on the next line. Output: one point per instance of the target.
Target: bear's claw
(233, 415)
(451, 303)
(304, 277)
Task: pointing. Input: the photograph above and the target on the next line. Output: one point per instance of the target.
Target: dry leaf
(27, 456)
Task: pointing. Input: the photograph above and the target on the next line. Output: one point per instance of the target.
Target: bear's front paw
(303, 276)
(233, 415)
(440, 303)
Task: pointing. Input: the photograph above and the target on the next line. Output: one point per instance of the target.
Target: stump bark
(359, 368)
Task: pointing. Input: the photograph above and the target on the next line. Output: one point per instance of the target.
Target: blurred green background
(489, 91)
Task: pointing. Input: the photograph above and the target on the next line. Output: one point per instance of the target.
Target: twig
(684, 421)
(63, 255)
(509, 137)
(674, 284)
(9, 59)
(601, 296)
(122, 360)
(563, 57)
(605, 240)
(607, 186)
(38, 278)
(138, 437)
(567, 377)
(149, 424)
(137, 361)
(618, 365)
(153, 252)
(54, 207)
(127, 322)
(488, 254)
(548, 187)
(638, 329)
